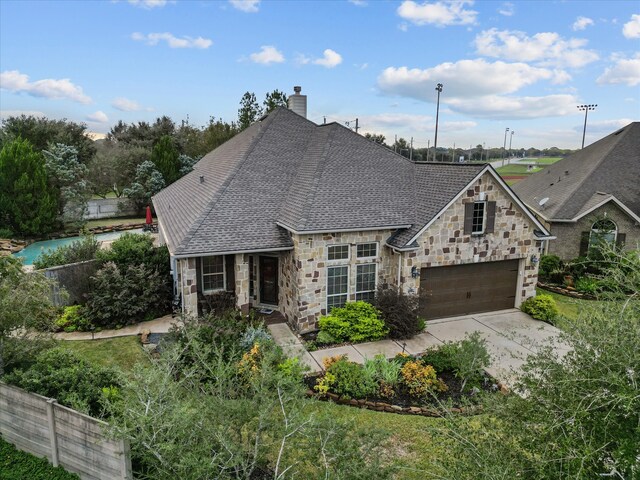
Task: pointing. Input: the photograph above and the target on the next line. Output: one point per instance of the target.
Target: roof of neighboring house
(605, 169)
(286, 174)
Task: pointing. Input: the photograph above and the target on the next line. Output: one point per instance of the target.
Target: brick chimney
(298, 103)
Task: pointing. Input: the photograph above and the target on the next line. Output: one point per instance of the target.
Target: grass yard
(516, 169)
(122, 352)
(546, 160)
(108, 222)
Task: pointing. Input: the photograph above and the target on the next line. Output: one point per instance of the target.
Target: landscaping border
(566, 292)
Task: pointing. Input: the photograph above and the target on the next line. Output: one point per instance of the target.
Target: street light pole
(586, 109)
(510, 140)
(435, 141)
(504, 147)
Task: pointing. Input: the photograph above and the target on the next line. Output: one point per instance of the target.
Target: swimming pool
(30, 253)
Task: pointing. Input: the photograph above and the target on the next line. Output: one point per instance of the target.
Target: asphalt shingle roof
(609, 166)
(287, 170)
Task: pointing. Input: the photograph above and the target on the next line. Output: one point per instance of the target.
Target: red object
(149, 217)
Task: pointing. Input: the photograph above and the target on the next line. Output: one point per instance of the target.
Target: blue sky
(522, 65)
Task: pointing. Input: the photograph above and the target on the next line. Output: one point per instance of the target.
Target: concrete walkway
(159, 325)
(511, 337)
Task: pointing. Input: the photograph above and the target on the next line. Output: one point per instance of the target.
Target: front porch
(244, 280)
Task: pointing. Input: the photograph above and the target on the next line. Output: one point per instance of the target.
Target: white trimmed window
(338, 252)
(337, 286)
(367, 250)
(477, 226)
(212, 273)
(366, 282)
(603, 231)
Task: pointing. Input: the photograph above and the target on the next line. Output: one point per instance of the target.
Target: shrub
(548, 267)
(399, 311)
(6, 233)
(325, 338)
(137, 249)
(120, 297)
(73, 319)
(292, 368)
(254, 334)
(421, 379)
(587, 285)
(18, 465)
(441, 358)
(60, 374)
(385, 372)
(351, 380)
(470, 359)
(541, 307)
(355, 322)
(79, 251)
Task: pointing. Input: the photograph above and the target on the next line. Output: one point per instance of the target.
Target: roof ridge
(200, 220)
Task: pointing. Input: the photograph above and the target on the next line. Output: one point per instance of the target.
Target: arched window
(603, 230)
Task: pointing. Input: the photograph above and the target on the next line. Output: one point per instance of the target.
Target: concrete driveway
(511, 337)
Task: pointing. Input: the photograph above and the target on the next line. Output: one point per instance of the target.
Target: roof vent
(619, 131)
(201, 178)
(298, 103)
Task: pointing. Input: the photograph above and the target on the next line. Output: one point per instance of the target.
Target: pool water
(30, 253)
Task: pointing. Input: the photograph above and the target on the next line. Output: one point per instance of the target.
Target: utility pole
(395, 144)
(411, 151)
(453, 152)
(324, 121)
(511, 140)
(428, 148)
(504, 147)
(357, 127)
(435, 141)
(586, 109)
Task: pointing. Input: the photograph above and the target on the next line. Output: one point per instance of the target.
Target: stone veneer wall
(445, 243)
(567, 245)
(188, 284)
(304, 273)
(241, 263)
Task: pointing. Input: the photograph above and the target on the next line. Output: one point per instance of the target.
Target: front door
(269, 280)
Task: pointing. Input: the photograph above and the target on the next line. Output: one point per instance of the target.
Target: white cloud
(507, 9)
(624, 71)
(465, 78)
(358, 3)
(604, 126)
(248, 6)
(545, 48)
(149, 4)
(172, 41)
(506, 107)
(631, 29)
(267, 55)
(440, 13)
(581, 23)
(126, 105)
(99, 117)
(330, 59)
(17, 82)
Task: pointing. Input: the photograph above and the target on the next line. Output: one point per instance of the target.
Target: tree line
(49, 169)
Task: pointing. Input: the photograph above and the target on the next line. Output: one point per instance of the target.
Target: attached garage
(465, 289)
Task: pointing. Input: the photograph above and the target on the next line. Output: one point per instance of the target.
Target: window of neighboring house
(212, 273)
(477, 225)
(603, 231)
(337, 286)
(338, 252)
(366, 282)
(367, 250)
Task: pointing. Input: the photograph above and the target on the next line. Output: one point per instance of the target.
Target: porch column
(242, 282)
(188, 285)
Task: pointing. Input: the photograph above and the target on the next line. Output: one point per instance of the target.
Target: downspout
(181, 289)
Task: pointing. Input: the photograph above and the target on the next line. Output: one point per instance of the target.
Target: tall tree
(249, 110)
(274, 99)
(113, 167)
(375, 137)
(41, 132)
(27, 202)
(147, 183)
(165, 157)
(67, 175)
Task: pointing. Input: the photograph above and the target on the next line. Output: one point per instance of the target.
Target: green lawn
(108, 195)
(569, 307)
(546, 160)
(108, 222)
(123, 352)
(516, 169)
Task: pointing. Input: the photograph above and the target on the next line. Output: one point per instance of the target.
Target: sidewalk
(159, 325)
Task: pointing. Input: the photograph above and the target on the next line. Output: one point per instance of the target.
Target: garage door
(465, 289)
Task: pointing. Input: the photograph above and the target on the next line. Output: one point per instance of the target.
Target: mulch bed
(451, 401)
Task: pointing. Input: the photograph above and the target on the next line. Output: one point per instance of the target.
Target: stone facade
(567, 243)
(303, 270)
(187, 281)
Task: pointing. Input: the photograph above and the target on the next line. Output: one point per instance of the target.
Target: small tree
(165, 157)
(27, 201)
(147, 183)
(249, 110)
(274, 99)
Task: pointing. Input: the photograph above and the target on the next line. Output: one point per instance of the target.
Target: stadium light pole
(586, 109)
(435, 141)
(510, 140)
(504, 147)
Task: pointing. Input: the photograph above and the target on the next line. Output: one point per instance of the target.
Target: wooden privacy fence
(41, 426)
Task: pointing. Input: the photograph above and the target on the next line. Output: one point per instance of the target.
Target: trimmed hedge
(18, 465)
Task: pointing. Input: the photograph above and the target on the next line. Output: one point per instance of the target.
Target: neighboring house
(590, 196)
(299, 218)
